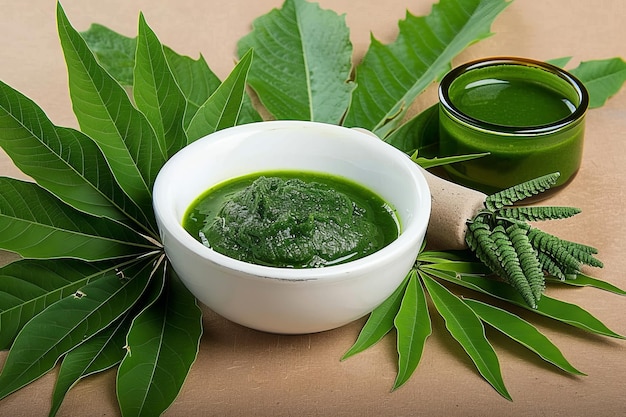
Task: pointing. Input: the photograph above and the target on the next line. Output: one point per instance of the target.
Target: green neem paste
(292, 219)
(528, 117)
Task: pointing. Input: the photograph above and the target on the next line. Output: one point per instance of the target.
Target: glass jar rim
(575, 83)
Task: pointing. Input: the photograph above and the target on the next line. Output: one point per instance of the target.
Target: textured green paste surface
(308, 221)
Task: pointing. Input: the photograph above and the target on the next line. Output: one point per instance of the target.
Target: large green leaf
(303, 59)
(413, 328)
(35, 224)
(559, 310)
(603, 78)
(198, 82)
(523, 332)
(221, 110)
(390, 77)
(156, 92)
(379, 322)
(69, 322)
(195, 79)
(28, 286)
(116, 53)
(64, 161)
(105, 113)
(99, 353)
(162, 345)
(468, 330)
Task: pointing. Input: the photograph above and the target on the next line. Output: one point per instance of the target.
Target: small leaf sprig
(439, 275)
(502, 239)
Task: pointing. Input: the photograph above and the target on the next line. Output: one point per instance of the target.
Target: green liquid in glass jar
(510, 100)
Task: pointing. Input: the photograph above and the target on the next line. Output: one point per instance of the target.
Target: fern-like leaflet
(528, 259)
(521, 254)
(512, 195)
(533, 214)
(511, 263)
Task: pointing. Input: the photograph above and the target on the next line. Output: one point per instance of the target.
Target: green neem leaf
(28, 286)
(221, 110)
(413, 328)
(430, 256)
(303, 59)
(468, 330)
(97, 354)
(380, 321)
(162, 345)
(115, 52)
(558, 310)
(105, 113)
(560, 62)
(195, 79)
(461, 267)
(69, 322)
(427, 163)
(602, 78)
(583, 280)
(156, 92)
(420, 133)
(390, 77)
(198, 82)
(36, 224)
(522, 332)
(64, 161)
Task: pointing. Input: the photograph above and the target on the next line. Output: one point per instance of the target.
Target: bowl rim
(386, 254)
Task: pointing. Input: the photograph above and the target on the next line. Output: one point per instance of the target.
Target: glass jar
(528, 115)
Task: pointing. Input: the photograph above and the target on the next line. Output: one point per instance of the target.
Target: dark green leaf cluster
(521, 254)
(94, 284)
(436, 275)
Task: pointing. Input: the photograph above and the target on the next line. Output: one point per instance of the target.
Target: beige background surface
(244, 372)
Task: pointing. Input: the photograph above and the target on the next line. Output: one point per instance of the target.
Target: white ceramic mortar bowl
(284, 300)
